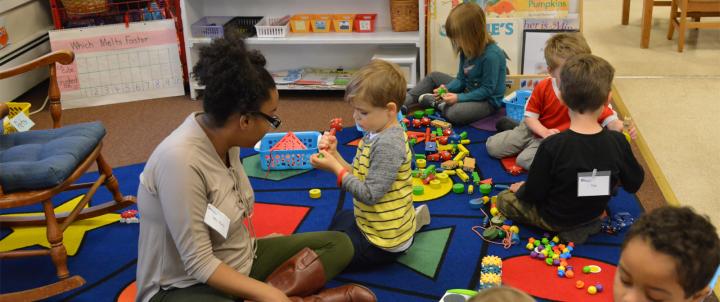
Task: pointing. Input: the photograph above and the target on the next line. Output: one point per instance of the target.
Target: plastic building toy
(447, 132)
(435, 183)
(418, 114)
(458, 188)
(429, 111)
(511, 167)
(470, 189)
(445, 155)
(617, 223)
(443, 140)
(416, 123)
(442, 177)
(418, 190)
(463, 176)
(476, 203)
(315, 193)
(449, 165)
(335, 125)
(476, 177)
(421, 163)
(469, 164)
(490, 270)
(129, 216)
(485, 189)
(441, 91)
(440, 124)
(425, 121)
(430, 147)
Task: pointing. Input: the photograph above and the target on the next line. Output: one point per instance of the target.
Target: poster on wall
(507, 32)
(526, 8)
(533, 54)
(118, 63)
(571, 22)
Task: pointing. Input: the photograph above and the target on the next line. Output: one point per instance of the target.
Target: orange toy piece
(289, 142)
(511, 166)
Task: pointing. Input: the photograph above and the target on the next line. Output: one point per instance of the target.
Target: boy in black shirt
(574, 172)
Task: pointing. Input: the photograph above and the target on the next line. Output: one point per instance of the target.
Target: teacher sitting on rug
(194, 197)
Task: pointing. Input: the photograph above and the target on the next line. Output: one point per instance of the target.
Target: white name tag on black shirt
(217, 220)
(596, 183)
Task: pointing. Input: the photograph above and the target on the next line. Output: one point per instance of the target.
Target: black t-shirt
(552, 183)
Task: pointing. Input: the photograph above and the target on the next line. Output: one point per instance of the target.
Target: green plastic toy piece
(476, 177)
(441, 91)
(463, 135)
(418, 190)
(458, 188)
(415, 173)
(419, 114)
(485, 189)
(490, 234)
(429, 111)
(419, 156)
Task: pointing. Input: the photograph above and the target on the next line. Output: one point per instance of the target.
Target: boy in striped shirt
(383, 221)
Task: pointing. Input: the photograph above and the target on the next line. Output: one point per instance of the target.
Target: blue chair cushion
(42, 159)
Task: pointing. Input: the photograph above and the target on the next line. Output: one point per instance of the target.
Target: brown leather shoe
(301, 275)
(345, 293)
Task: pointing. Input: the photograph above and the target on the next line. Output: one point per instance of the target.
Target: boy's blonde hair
(378, 83)
(562, 46)
(467, 30)
(501, 294)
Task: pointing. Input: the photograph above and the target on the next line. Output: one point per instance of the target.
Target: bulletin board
(115, 63)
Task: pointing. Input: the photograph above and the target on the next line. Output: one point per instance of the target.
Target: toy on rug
(458, 295)
(129, 216)
(511, 166)
(490, 272)
(617, 223)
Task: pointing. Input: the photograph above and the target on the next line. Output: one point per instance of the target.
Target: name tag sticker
(595, 183)
(217, 220)
(22, 122)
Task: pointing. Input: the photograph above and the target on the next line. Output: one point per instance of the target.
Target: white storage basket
(273, 27)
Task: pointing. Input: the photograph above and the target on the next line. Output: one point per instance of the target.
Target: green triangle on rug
(252, 169)
(426, 252)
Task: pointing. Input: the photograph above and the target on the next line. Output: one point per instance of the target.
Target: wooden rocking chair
(19, 187)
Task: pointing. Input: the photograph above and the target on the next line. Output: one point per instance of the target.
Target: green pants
(334, 248)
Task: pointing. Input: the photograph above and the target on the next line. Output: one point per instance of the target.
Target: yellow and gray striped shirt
(381, 184)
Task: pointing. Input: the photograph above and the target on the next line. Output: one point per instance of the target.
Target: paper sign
(596, 183)
(215, 219)
(118, 63)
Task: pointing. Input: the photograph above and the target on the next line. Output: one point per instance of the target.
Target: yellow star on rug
(72, 237)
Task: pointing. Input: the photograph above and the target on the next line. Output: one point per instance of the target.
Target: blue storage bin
(515, 104)
(287, 159)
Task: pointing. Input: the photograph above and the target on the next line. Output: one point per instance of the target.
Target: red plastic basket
(365, 23)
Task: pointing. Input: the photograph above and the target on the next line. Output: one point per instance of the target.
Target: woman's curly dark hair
(685, 236)
(234, 77)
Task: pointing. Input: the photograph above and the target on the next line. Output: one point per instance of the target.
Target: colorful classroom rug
(446, 254)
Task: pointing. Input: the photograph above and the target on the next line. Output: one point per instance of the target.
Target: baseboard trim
(642, 145)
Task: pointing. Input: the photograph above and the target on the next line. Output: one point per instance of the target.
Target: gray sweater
(184, 174)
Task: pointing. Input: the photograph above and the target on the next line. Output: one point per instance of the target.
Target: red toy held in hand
(335, 125)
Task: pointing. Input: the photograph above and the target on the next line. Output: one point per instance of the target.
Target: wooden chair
(18, 195)
(695, 9)
(626, 9)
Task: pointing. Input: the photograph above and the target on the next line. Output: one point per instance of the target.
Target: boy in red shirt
(545, 113)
